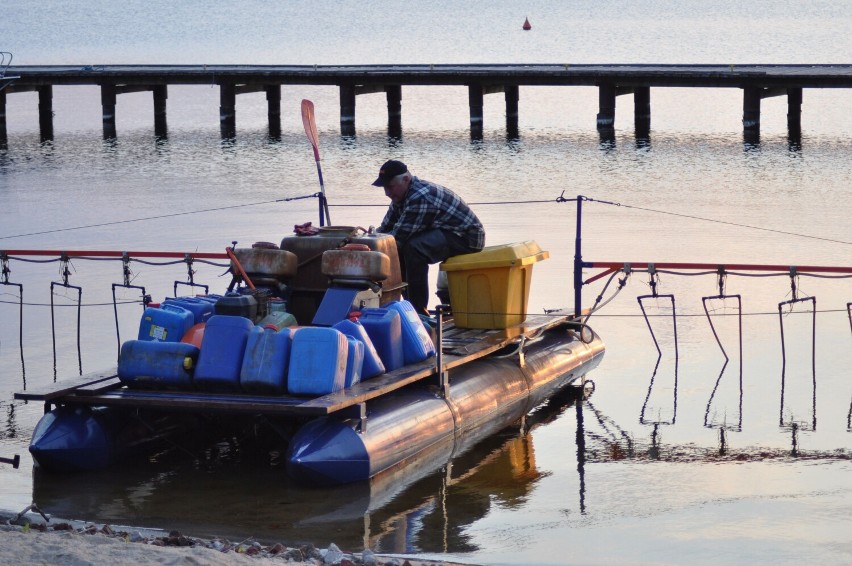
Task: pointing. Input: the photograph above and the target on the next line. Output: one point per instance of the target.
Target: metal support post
(443, 375)
(578, 260)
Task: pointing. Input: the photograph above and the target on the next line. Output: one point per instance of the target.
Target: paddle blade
(310, 126)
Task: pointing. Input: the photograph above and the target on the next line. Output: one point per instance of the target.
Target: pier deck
(738, 76)
(757, 82)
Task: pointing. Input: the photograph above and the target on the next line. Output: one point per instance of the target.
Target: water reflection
(581, 455)
(643, 141)
(162, 148)
(394, 142)
(751, 141)
(109, 142)
(616, 442)
(424, 505)
(494, 474)
(11, 422)
(515, 145)
(794, 144)
(607, 141)
(228, 145)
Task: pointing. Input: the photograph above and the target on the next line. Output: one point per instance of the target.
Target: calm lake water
(672, 459)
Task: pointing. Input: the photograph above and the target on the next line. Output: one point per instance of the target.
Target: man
(430, 224)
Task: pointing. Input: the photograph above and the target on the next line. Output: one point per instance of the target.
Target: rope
(498, 202)
(693, 217)
(560, 199)
(172, 215)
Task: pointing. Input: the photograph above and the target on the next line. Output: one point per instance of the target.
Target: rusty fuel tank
(308, 285)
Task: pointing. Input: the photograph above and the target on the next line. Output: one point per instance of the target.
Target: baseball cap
(388, 171)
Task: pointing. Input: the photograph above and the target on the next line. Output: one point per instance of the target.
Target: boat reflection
(660, 412)
(235, 491)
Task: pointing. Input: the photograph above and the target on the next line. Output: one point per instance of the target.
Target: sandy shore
(56, 542)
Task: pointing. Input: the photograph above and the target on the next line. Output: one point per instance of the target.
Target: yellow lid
(187, 363)
(505, 255)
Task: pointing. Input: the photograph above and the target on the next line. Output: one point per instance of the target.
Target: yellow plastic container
(490, 289)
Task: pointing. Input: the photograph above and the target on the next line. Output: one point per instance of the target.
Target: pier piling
(751, 110)
(273, 101)
(606, 107)
(45, 112)
(108, 99)
(642, 111)
(227, 110)
(394, 99)
(161, 94)
(347, 109)
(476, 101)
(794, 111)
(512, 96)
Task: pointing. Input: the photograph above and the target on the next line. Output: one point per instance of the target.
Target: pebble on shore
(28, 541)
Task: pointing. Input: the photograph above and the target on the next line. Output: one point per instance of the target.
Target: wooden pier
(756, 81)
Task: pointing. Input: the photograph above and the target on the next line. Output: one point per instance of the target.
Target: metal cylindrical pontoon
(486, 395)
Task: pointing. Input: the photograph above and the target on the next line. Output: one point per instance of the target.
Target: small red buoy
(527, 26)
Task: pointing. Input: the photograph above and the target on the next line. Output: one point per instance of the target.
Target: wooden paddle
(311, 130)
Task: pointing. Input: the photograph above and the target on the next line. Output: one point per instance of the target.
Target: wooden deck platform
(460, 346)
(757, 82)
(560, 74)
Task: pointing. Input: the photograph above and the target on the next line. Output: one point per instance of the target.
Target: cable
(470, 203)
(172, 215)
(693, 217)
(559, 199)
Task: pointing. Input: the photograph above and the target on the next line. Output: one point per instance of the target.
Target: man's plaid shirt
(427, 206)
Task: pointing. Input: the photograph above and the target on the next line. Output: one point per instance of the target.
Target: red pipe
(617, 266)
(612, 267)
(236, 262)
(109, 253)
